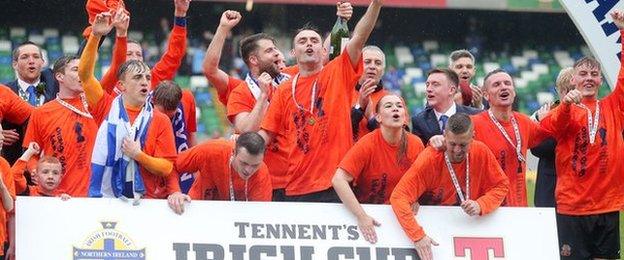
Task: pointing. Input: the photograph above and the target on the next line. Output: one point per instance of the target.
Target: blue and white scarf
(114, 174)
(255, 89)
(180, 132)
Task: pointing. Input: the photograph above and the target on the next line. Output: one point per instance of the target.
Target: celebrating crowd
(321, 130)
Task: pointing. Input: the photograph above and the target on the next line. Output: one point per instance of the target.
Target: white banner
(593, 19)
(48, 228)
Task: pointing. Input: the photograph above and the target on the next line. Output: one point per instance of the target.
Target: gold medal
(311, 121)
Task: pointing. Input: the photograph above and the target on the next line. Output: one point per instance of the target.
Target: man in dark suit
(442, 85)
(32, 85)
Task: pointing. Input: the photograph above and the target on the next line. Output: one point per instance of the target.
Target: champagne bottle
(339, 38)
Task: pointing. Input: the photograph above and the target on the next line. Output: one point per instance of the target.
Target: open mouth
(430, 96)
(464, 77)
(396, 116)
(32, 69)
(309, 51)
(144, 91)
(504, 95)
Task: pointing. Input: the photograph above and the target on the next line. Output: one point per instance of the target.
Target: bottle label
(343, 43)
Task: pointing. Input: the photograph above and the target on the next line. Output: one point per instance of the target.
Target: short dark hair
(131, 65)
(459, 123)
(61, 63)
(249, 45)
(167, 94)
(496, 71)
(252, 142)
(16, 51)
(309, 27)
(450, 75)
(588, 61)
(458, 54)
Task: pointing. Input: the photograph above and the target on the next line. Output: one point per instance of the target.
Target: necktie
(32, 96)
(442, 122)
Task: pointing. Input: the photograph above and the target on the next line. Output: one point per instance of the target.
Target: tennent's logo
(478, 247)
(108, 244)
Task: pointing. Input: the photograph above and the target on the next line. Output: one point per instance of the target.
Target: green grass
(531, 194)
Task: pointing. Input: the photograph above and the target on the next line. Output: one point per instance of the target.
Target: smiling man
(590, 140)
(507, 133)
(226, 171)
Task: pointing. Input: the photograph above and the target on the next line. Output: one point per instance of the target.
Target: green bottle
(339, 38)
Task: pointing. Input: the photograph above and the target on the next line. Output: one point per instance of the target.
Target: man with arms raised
(589, 137)
(465, 175)
(135, 148)
(313, 108)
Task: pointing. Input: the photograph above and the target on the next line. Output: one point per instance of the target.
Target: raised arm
(217, 77)
(618, 19)
(109, 80)
(362, 31)
(170, 62)
(93, 90)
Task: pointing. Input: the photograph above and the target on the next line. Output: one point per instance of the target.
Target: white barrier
(593, 20)
(48, 228)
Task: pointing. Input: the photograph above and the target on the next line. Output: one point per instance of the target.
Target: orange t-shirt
(590, 177)
(242, 100)
(212, 160)
(95, 7)
(372, 162)
(7, 178)
(190, 116)
(68, 136)
(159, 143)
(320, 139)
(231, 85)
(429, 182)
(531, 135)
(12, 107)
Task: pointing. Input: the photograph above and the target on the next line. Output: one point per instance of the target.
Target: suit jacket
(425, 124)
(13, 152)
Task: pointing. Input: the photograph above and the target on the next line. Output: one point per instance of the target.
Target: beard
(270, 68)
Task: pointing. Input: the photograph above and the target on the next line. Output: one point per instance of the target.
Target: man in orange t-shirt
(248, 102)
(65, 129)
(312, 110)
(227, 171)
(179, 106)
(590, 140)
(465, 175)
(148, 136)
(507, 133)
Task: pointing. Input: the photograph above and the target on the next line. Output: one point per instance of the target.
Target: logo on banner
(479, 247)
(108, 243)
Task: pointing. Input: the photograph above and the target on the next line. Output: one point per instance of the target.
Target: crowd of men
(319, 131)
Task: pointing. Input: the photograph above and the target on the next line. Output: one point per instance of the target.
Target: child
(46, 177)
